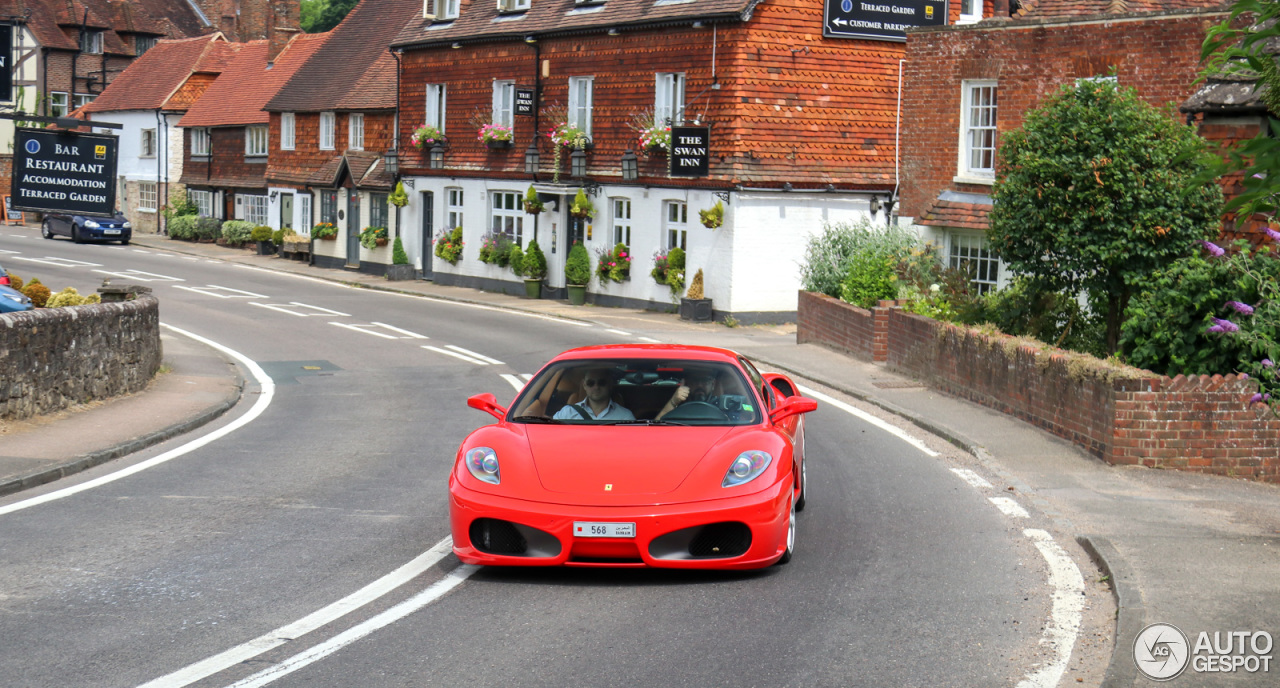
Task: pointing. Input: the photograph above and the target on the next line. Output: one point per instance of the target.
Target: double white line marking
(464, 354)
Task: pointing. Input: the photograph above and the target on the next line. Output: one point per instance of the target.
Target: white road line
(513, 381)
(263, 401)
(624, 334)
(9, 253)
(274, 307)
(285, 308)
(138, 250)
(413, 335)
(455, 354)
(213, 289)
(1064, 620)
(1010, 508)
(473, 354)
(972, 478)
(141, 276)
(649, 339)
(324, 310)
(60, 262)
(883, 425)
(527, 376)
(280, 636)
(437, 590)
(361, 328)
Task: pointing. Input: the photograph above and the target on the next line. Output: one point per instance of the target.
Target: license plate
(603, 530)
(110, 231)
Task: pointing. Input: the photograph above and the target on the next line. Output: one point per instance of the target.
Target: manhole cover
(894, 384)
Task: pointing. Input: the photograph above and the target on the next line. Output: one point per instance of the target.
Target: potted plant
(449, 245)
(614, 265)
(694, 306)
(262, 235)
(373, 237)
(426, 136)
(495, 136)
(712, 217)
(532, 202)
(534, 267)
(654, 136)
(398, 198)
(400, 268)
(577, 272)
(324, 230)
(582, 206)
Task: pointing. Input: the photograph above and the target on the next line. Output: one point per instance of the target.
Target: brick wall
(1159, 56)
(52, 358)
(1119, 414)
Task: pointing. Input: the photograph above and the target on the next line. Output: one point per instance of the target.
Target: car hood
(615, 462)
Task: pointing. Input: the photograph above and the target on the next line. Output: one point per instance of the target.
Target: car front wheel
(791, 536)
(75, 234)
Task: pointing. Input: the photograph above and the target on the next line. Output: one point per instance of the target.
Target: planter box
(577, 294)
(498, 145)
(398, 273)
(266, 248)
(697, 310)
(533, 288)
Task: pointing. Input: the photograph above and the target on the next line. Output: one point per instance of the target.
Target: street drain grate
(891, 384)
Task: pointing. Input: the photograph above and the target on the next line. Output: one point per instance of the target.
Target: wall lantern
(437, 156)
(393, 162)
(875, 205)
(532, 159)
(630, 168)
(578, 163)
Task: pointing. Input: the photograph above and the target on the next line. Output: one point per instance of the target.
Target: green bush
(870, 277)
(1027, 309)
(577, 267)
(1166, 325)
(827, 255)
(278, 236)
(515, 259)
(240, 232)
(183, 227)
(208, 229)
(534, 265)
(398, 255)
(259, 233)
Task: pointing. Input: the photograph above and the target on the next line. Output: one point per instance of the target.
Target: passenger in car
(597, 384)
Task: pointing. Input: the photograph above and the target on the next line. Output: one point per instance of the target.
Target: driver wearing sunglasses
(599, 405)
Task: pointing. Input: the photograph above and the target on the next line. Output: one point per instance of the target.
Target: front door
(428, 232)
(353, 228)
(286, 211)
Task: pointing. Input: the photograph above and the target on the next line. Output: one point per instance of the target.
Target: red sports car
(635, 455)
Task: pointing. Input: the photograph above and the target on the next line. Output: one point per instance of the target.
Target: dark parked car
(12, 300)
(87, 227)
(4, 278)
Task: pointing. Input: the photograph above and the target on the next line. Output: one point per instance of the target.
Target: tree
(318, 16)
(1096, 191)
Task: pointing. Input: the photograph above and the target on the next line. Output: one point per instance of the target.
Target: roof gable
(150, 81)
(55, 23)
(239, 94)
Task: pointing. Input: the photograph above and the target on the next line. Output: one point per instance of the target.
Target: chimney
(283, 21)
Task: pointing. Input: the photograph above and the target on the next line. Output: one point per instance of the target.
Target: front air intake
(721, 540)
(492, 536)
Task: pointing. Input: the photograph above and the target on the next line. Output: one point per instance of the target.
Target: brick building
(225, 131)
(149, 99)
(801, 130)
(331, 126)
(964, 86)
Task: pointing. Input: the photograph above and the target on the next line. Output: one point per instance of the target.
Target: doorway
(353, 228)
(428, 233)
(286, 211)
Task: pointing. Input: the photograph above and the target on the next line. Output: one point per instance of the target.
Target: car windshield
(637, 392)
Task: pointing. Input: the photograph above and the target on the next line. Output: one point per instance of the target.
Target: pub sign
(690, 151)
(880, 20)
(524, 101)
(63, 172)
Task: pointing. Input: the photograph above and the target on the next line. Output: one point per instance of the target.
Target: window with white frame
(82, 99)
(622, 221)
(329, 207)
(148, 196)
(91, 42)
(508, 215)
(513, 5)
(255, 141)
(971, 254)
(58, 105)
(326, 131)
(668, 100)
(677, 224)
(203, 201)
(288, 131)
(147, 149)
(580, 103)
(355, 131)
(970, 11)
(303, 201)
(378, 210)
(504, 99)
(200, 141)
(435, 106)
(453, 208)
(255, 209)
(978, 130)
(440, 9)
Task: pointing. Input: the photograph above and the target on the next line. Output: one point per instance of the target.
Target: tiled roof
(151, 79)
(237, 97)
(365, 168)
(482, 20)
(1087, 8)
(964, 211)
(47, 18)
(327, 175)
(226, 181)
(354, 70)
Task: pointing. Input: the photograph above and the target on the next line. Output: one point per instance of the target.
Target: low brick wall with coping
(52, 358)
(1120, 414)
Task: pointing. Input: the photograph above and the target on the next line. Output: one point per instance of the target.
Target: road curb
(1131, 615)
(87, 461)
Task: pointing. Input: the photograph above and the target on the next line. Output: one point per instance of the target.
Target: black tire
(791, 537)
(75, 234)
(124, 242)
(45, 230)
(804, 485)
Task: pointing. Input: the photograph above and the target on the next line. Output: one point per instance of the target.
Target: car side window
(757, 381)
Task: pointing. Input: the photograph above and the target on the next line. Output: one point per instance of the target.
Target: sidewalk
(1199, 552)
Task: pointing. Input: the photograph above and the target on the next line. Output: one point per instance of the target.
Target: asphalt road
(903, 576)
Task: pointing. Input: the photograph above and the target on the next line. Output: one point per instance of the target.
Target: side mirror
(793, 406)
(489, 404)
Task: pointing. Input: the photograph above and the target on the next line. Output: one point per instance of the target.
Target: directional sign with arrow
(881, 20)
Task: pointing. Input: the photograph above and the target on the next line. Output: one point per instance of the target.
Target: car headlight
(91, 224)
(127, 225)
(483, 464)
(747, 467)
(17, 298)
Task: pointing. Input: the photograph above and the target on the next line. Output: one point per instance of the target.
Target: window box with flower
(373, 237)
(614, 265)
(449, 245)
(668, 270)
(324, 230)
(653, 135)
(426, 136)
(565, 134)
(495, 136)
(495, 249)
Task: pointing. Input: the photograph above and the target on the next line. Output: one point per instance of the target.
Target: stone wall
(1120, 414)
(52, 358)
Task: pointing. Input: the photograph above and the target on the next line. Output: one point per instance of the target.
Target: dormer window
(91, 42)
(513, 5)
(442, 10)
(142, 44)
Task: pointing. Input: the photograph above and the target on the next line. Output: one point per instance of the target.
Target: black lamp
(532, 158)
(630, 167)
(393, 162)
(578, 163)
(437, 156)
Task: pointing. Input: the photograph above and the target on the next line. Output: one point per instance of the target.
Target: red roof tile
(1087, 8)
(947, 213)
(152, 79)
(237, 97)
(49, 20)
